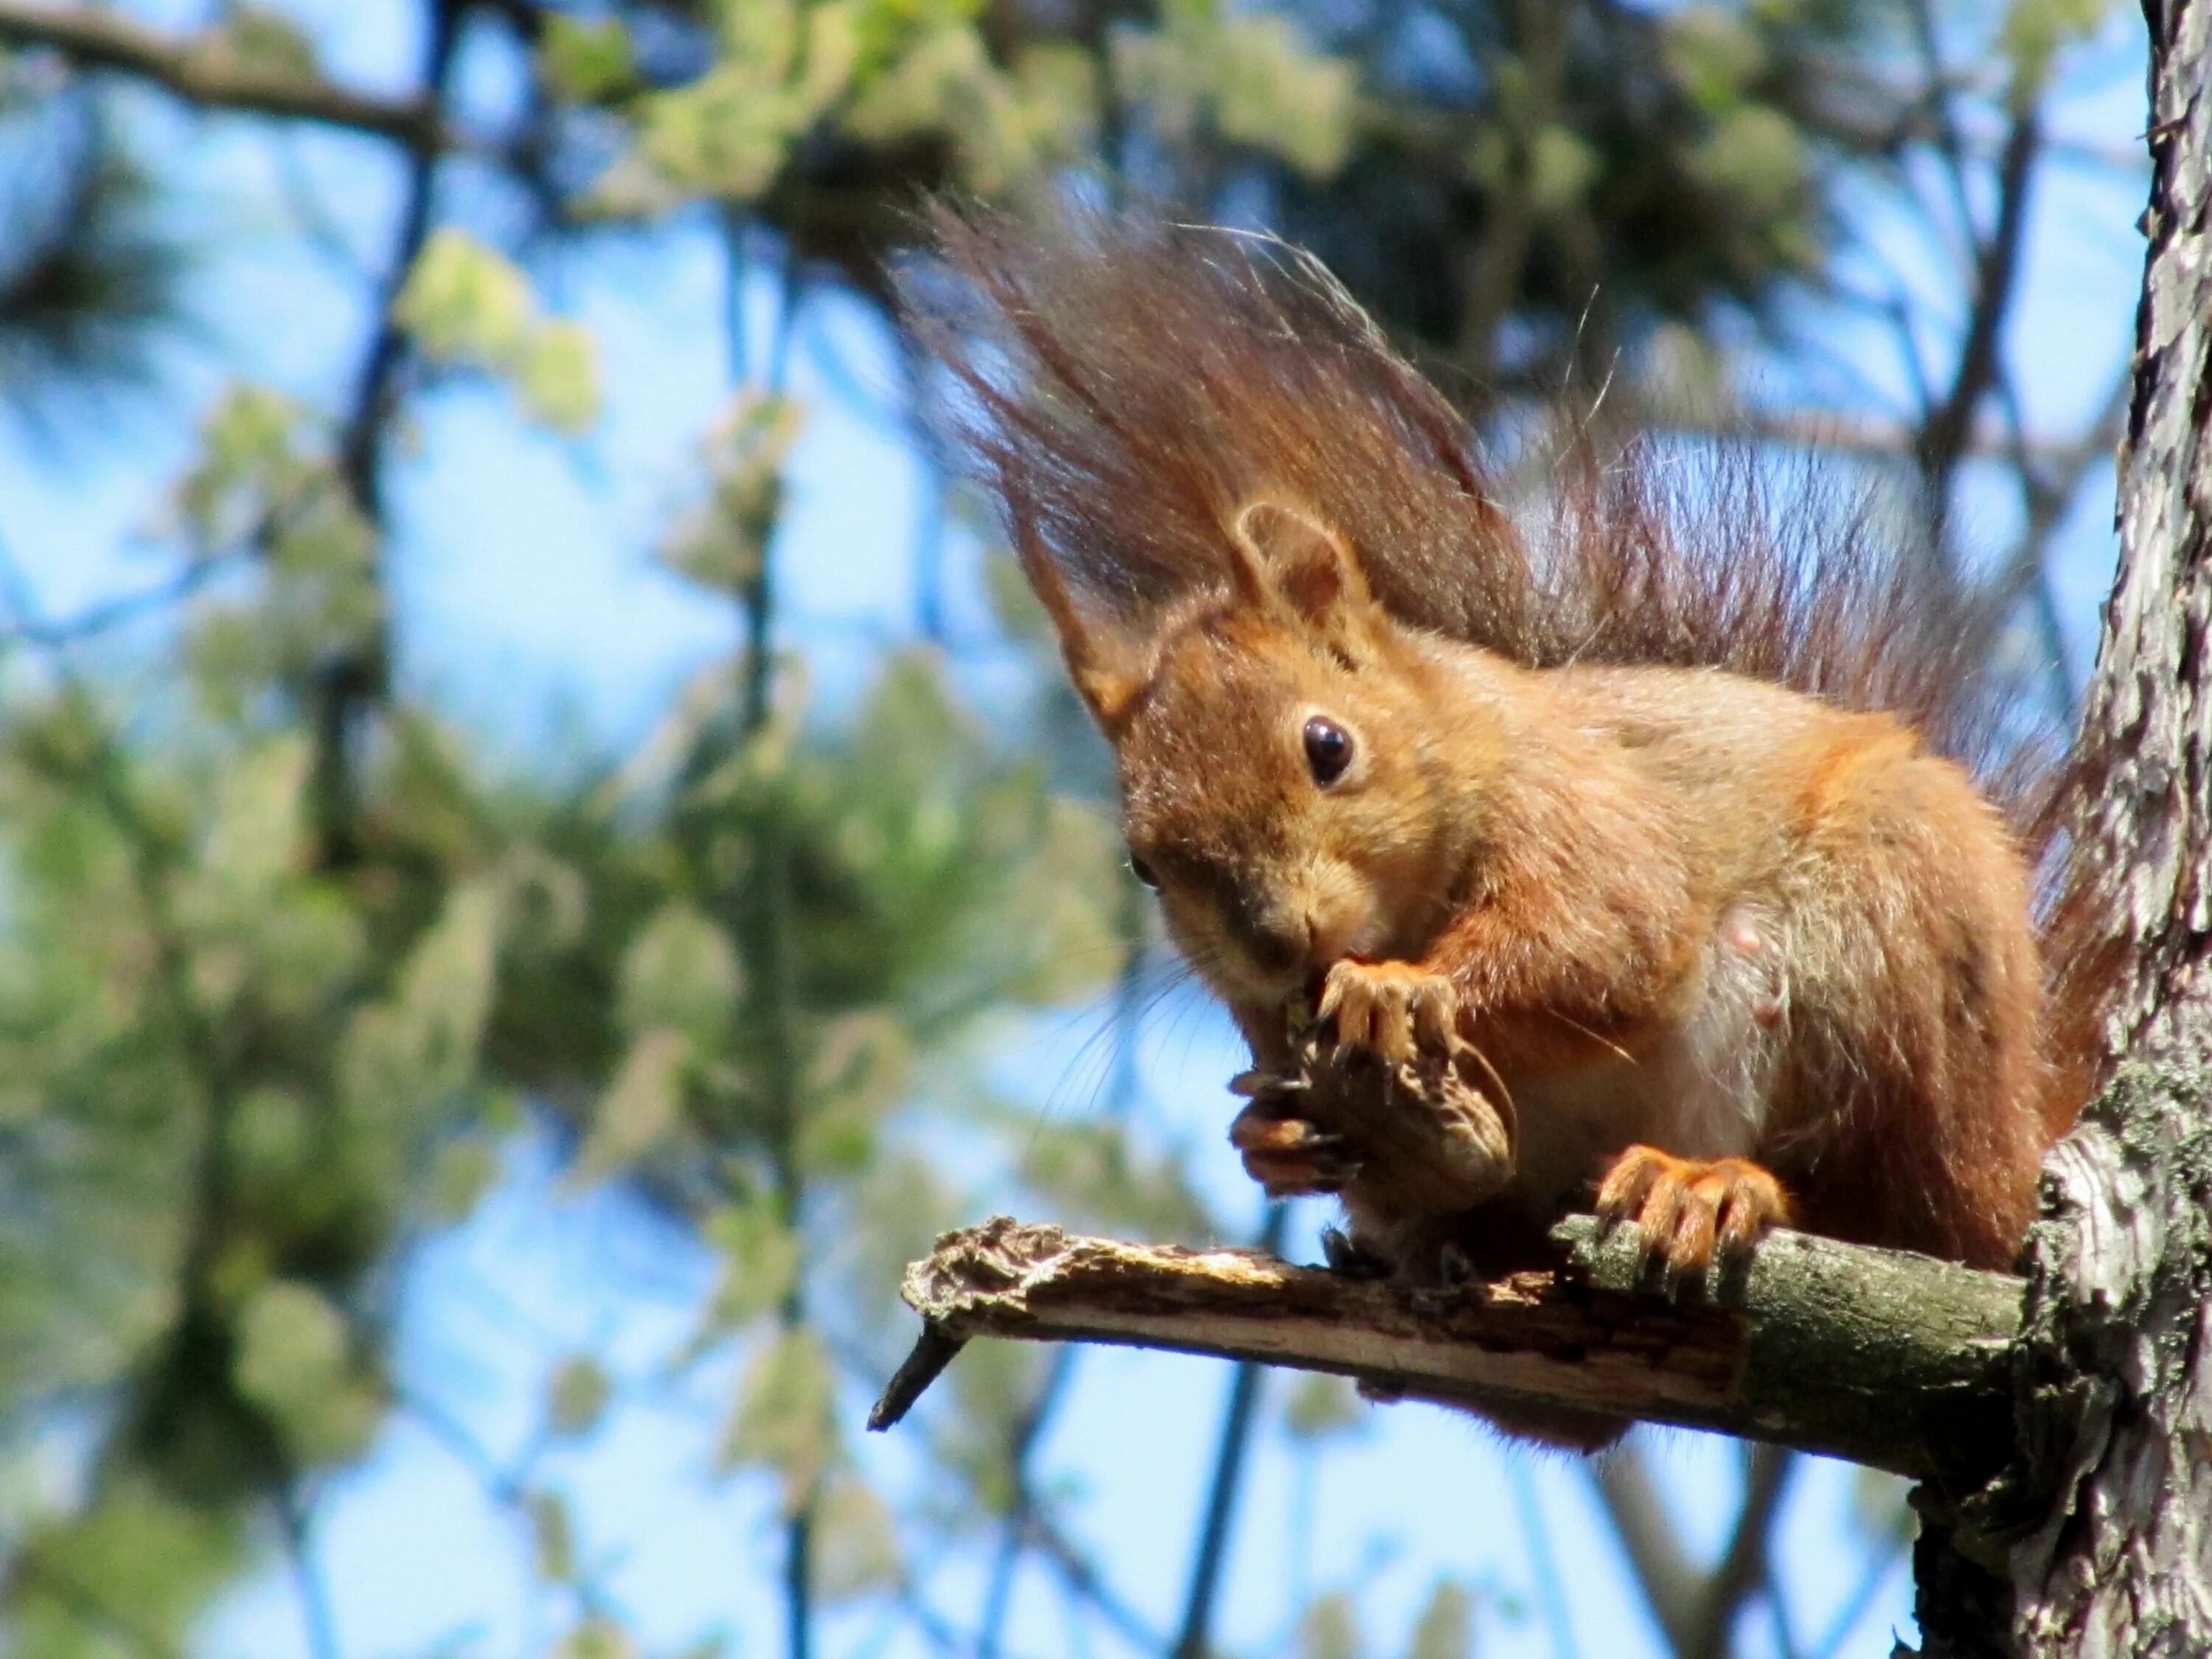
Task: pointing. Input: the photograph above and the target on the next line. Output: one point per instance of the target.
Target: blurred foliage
(751, 973)
(88, 277)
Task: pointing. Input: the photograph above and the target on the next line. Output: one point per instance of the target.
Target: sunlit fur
(1266, 876)
(1679, 792)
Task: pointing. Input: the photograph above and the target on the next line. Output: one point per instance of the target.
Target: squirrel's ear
(1283, 550)
(1103, 664)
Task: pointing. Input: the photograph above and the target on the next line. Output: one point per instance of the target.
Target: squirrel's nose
(1278, 938)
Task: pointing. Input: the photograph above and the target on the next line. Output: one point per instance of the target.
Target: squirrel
(1670, 853)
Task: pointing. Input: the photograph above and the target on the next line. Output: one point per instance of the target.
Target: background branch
(208, 69)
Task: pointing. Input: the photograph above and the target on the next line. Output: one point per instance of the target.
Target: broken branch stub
(1883, 1358)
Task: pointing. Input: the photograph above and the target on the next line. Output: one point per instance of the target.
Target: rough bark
(1888, 1359)
(2098, 1538)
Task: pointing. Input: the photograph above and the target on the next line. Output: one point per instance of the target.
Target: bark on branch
(207, 70)
(1884, 1358)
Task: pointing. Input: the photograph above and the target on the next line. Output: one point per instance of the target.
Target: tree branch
(207, 70)
(1742, 1572)
(1672, 1585)
(1886, 1358)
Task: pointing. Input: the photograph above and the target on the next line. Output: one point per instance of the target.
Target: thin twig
(1671, 1583)
(1082, 1578)
(1944, 436)
(207, 70)
(1543, 1559)
(1856, 1605)
(1237, 1418)
(294, 1521)
(349, 685)
(126, 608)
(1029, 1427)
(1742, 1572)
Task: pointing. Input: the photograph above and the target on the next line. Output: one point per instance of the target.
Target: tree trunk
(2097, 1540)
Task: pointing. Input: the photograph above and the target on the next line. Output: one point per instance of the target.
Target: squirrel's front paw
(1393, 1008)
(1290, 1156)
(1688, 1211)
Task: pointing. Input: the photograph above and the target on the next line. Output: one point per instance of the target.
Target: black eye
(1143, 871)
(1329, 749)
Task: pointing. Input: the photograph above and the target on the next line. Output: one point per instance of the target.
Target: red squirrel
(1639, 860)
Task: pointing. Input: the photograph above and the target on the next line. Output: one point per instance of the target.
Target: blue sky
(521, 566)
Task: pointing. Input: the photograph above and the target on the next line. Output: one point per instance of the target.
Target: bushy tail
(1125, 385)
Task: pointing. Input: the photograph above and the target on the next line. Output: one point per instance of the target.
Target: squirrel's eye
(1144, 872)
(1329, 749)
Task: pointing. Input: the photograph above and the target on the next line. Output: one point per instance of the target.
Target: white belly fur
(1703, 1091)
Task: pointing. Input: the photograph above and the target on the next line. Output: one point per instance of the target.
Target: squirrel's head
(1280, 784)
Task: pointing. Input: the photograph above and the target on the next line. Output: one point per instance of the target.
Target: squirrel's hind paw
(1350, 1259)
(1689, 1213)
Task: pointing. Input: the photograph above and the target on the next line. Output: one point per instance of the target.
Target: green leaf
(1253, 75)
(1445, 1629)
(269, 1139)
(1755, 158)
(269, 41)
(855, 1544)
(725, 135)
(597, 1638)
(680, 974)
(446, 989)
(858, 1070)
(577, 1397)
(249, 461)
(1330, 1629)
(1562, 167)
(558, 376)
(2037, 31)
(461, 1174)
(422, 1044)
(294, 1361)
(552, 1535)
(721, 544)
(464, 302)
(1713, 51)
(589, 59)
(784, 1421)
(640, 1109)
(760, 1259)
(137, 1554)
(291, 1342)
(258, 836)
(1321, 1407)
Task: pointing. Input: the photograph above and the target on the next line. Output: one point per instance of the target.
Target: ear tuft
(1303, 561)
(1104, 664)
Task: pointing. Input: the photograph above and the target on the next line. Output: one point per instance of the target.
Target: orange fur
(1684, 819)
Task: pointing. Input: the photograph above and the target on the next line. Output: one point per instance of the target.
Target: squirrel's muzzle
(1276, 935)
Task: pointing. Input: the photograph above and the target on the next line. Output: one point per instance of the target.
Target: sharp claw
(1453, 1267)
(1347, 1257)
(1332, 994)
(1251, 1085)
